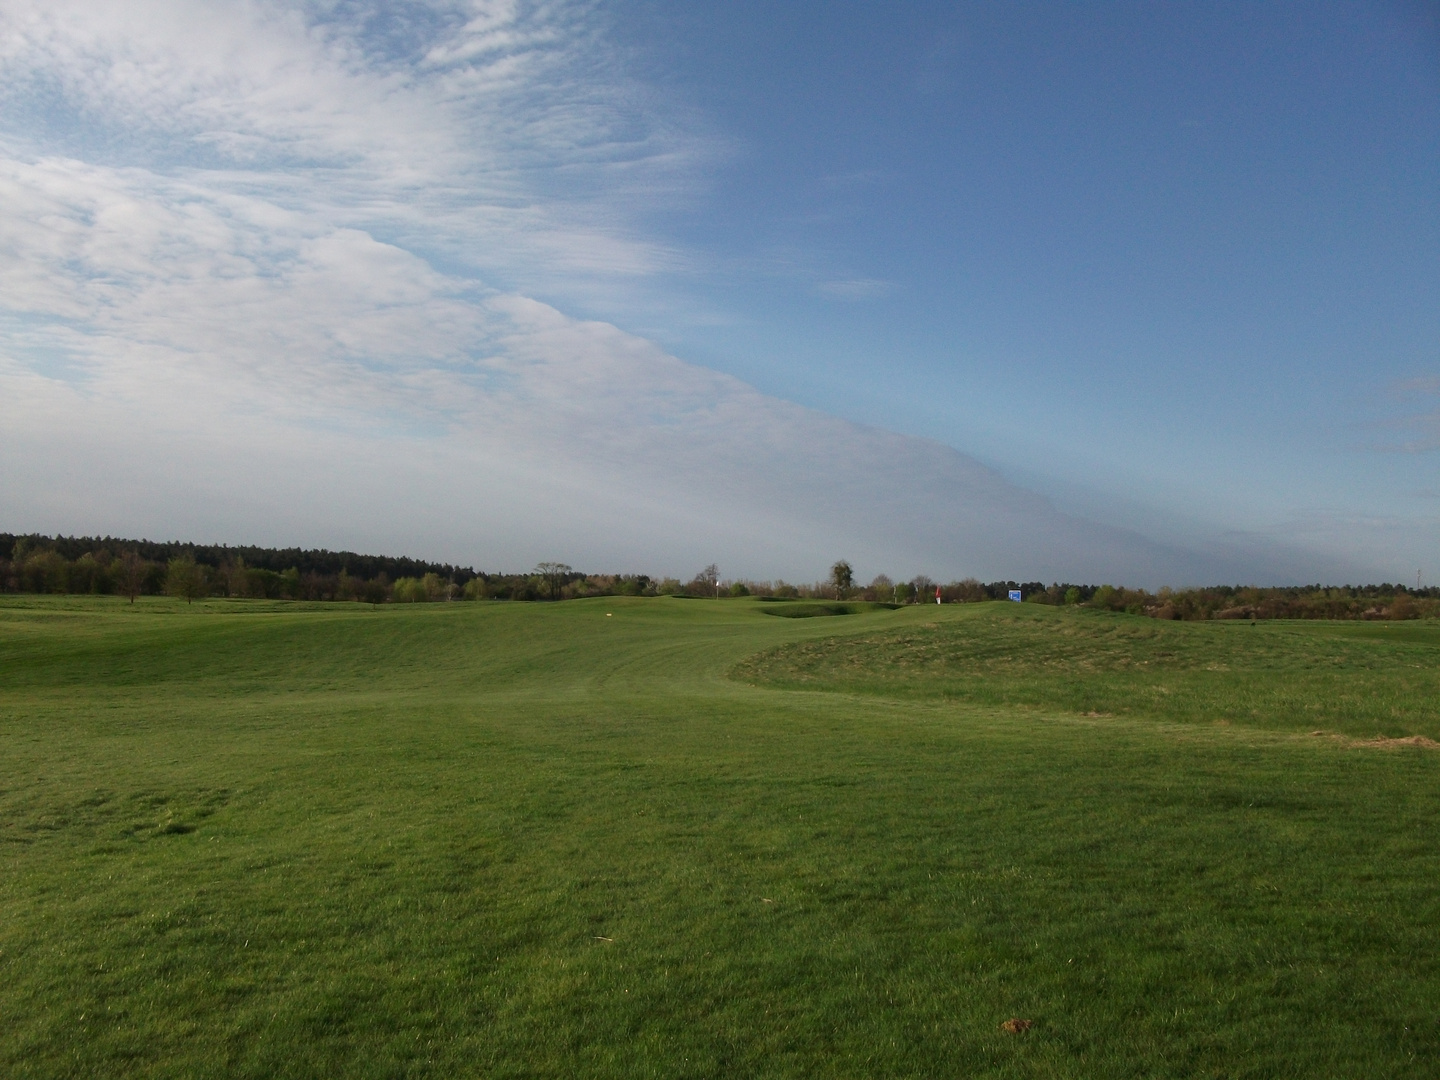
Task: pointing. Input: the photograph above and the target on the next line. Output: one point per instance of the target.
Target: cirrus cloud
(264, 272)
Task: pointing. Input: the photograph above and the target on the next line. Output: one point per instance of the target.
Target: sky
(1140, 293)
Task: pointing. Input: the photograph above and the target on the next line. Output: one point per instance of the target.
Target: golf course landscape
(666, 837)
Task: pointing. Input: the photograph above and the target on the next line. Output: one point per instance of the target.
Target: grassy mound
(1358, 678)
(493, 840)
(810, 611)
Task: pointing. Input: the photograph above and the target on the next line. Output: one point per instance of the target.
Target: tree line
(134, 568)
(1385, 601)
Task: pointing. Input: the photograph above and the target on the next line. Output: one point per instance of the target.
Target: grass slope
(1357, 678)
(539, 840)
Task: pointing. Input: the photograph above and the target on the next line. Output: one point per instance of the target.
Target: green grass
(1361, 679)
(250, 839)
(810, 611)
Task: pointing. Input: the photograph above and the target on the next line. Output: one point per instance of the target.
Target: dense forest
(133, 568)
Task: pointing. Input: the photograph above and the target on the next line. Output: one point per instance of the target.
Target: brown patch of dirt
(1015, 1025)
(1381, 742)
(1408, 740)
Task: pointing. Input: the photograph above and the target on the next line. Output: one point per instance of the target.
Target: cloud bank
(266, 277)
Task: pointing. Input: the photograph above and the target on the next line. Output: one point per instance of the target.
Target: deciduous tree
(554, 574)
(375, 591)
(184, 577)
(131, 575)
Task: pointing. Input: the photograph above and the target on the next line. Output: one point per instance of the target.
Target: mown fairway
(691, 839)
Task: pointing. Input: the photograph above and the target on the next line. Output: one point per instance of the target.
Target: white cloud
(325, 117)
(244, 262)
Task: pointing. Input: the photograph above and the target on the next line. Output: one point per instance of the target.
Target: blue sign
(1015, 595)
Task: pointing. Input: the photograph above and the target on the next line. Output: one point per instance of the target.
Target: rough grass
(1361, 679)
(536, 840)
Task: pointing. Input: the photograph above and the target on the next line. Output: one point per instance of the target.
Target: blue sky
(1138, 292)
(1144, 244)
